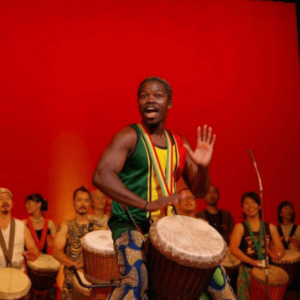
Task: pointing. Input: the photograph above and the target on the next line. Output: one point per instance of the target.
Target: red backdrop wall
(70, 71)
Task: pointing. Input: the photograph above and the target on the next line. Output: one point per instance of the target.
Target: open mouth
(151, 112)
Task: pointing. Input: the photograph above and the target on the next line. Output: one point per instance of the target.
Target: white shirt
(17, 258)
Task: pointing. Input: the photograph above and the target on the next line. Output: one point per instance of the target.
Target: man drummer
(220, 219)
(11, 254)
(126, 175)
(67, 242)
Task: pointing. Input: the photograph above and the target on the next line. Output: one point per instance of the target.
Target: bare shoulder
(126, 138)
(239, 228)
(272, 227)
(51, 224)
(62, 228)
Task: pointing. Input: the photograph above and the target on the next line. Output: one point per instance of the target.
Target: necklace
(38, 220)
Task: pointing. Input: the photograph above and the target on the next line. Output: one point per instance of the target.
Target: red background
(70, 72)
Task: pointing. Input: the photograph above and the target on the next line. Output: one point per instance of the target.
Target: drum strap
(292, 232)
(258, 245)
(8, 253)
(39, 243)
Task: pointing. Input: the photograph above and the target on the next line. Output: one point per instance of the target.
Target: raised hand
(202, 154)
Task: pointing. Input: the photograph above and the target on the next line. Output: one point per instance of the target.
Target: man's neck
(4, 220)
(213, 209)
(82, 218)
(189, 214)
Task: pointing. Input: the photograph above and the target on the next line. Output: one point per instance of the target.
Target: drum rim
(202, 264)
(271, 284)
(32, 264)
(282, 261)
(18, 294)
(88, 247)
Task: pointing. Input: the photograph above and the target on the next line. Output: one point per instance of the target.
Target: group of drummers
(42, 241)
(156, 246)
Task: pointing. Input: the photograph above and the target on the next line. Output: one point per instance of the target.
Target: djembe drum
(14, 284)
(290, 262)
(231, 265)
(80, 292)
(278, 281)
(100, 264)
(183, 256)
(43, 272)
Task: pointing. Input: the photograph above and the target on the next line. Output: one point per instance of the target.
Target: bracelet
(145, 205)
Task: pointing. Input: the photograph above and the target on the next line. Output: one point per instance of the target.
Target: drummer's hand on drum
(163, 202)
(294, 242)
(275, 253)
(30, 255)
(202, 155)
(78, 265)
(258, 263)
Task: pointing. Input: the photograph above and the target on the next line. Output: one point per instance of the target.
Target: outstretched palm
(204, 148)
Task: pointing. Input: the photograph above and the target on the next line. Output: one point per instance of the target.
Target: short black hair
(254, 196)
(281, 206)
(38, 198)
(81, 189)
(158, 79)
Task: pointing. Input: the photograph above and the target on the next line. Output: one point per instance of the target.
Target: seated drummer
(126, 174)
(11, 254)
(42, 229)
(67, 242)
(288, 231)
(99, 205)
(247, 242)
(220, 219)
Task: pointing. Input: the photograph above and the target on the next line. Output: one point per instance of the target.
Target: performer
(288, 231)
(128, 175)
(187, 205)
(220, 219)
(42, 229)
(247, 243)
(99, 205)
(11, 253)
(67, 242)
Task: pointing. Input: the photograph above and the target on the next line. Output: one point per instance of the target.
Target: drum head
(188, 241)
(79, 287)
(290, 257)
(277, 276)
(230, 261)
(14, 284)
(99, 241)
(45, 263)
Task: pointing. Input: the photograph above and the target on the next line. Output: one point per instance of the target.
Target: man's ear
(170, 103)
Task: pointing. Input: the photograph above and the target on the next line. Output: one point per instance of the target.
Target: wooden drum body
(80, 292)
(14, 284)
(291, 264)
(278, 281)
(43, 272)
(184, 254)
(100, 264)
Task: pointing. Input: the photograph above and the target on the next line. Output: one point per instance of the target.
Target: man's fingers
(213, 140)
(205, 133)
(199, 134)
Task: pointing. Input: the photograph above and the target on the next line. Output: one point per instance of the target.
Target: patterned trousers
(131, 259)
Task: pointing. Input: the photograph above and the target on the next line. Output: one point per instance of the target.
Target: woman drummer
(99, 204)
(42, 229)
(288, 231)
(247, 243)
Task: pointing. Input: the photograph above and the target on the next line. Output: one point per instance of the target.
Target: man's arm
(32, 252)
(195, 173)
(111, 164)
(59, 245)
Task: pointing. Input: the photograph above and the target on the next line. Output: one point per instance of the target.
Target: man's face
(82, 203)
(189, 203)
(6, 203)
(212, 196)
(153, 103)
